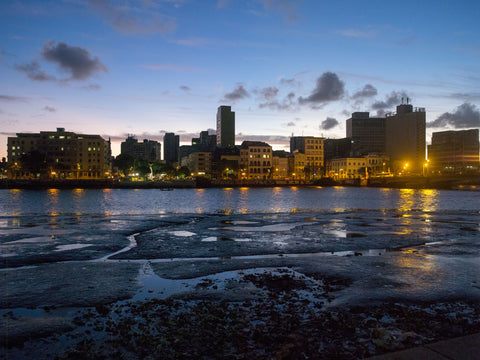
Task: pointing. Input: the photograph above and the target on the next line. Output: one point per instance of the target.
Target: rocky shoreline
(269, 314)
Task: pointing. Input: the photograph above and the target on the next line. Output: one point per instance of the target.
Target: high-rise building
(147, 150)
(313, 148)
(405, 138)
(205, 142)
(225, 126)
(454, 152)
(366, 133)
(171, 144)
(337, 148)
(59, 154)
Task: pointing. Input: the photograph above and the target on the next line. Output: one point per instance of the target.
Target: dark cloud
(367, 91)
(291, 123)
(269, 93)
(34, 72)
(185, 88)
(391, 100)
(237, 94)
(133, 17)
(10, 98)
(329, 88)
(465, 116)
(49, 109)
(329, 123)
(73, 59)
(288, 103)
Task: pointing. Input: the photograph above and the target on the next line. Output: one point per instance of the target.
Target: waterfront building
(148, 150)
(296, 165)
(358, 167)
(313, 148)
(367, 134)
(405, 138)
(455, 152)
(171, 145)
(256, 160)
(59, 154)
(199, 163)
(280, 164)
(225, 126)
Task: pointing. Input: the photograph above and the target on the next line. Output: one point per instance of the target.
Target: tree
(124, 162)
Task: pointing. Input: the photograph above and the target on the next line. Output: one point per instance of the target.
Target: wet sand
(347, 284)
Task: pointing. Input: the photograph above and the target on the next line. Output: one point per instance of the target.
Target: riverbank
(471, 182)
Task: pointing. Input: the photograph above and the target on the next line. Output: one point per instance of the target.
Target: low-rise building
(58, 154)
(256, 160)
(357, 167)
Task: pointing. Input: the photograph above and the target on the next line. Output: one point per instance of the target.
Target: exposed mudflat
(327, 284)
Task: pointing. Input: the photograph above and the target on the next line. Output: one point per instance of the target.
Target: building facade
(367, 134)
(225, 126)
(454, 152)
(405, 138)
(59, 154)
(358, 167)
(147, 150)
(256, 160)
(313, 148)
(171, 145)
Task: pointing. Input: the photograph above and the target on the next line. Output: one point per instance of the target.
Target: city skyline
(149, 67)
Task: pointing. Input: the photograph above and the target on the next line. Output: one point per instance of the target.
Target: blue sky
(118, 67)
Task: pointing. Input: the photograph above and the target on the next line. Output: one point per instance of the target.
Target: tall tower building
(171, 144)
(367, 134)
(405, 138)
(225, 126)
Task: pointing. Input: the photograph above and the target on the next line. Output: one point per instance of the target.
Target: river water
(229, 200)
(390, 242)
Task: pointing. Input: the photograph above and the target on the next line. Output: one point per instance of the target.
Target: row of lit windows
(259, 170)
(258, 163)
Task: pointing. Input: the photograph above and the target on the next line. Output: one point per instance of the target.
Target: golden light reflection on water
(418, 270)
(424, 199)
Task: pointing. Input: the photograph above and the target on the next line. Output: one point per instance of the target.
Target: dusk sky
(118, 67)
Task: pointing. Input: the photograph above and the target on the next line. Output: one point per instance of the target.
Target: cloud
(394, 98)
(185, 88)
(91, 87)
(34, 71)
(465, 116)
(408, 40)
(287, 8)
(288, 103)
(329, 123)
(367, 91)
(170, 67)
(73, 59)
(49, 109)
(291, 123)
(269, 93)
(10, 98)
(329, 88)
(133, 17)
(237, 94)
(356, 33)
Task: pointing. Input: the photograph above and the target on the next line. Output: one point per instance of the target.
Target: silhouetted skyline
(128, 67)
